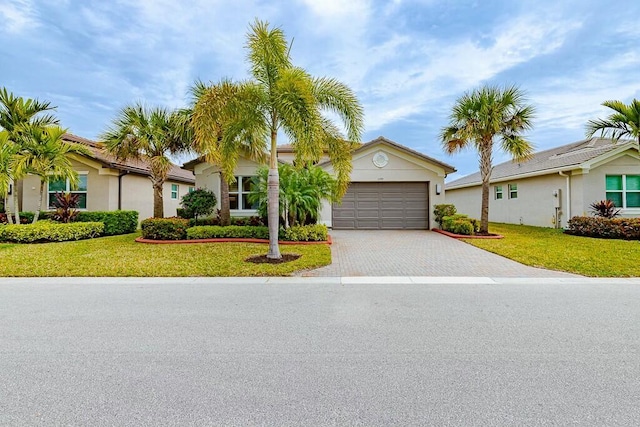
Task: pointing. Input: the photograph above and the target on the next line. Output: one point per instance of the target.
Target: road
(319, 351)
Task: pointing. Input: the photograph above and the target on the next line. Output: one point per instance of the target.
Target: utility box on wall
(557, 198)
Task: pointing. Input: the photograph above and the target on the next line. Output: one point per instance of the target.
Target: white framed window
(64, 186)
(192, 189)
(623, 190)
(513, 191)
(174, 191)
(497, 192)
(239, 194)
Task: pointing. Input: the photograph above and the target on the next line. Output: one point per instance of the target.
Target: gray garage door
(383, 205)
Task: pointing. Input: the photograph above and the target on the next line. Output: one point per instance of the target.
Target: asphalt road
(314, 352)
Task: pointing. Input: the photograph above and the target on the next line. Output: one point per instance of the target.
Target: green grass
(551, 249)
(122, 256)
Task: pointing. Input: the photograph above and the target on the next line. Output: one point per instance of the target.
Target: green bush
(460, 224)
(115, 222)
(165, 228)
(305, 233)
(48, 231)
(606, 228)
(440, 211)
(231, 231)
(184, 213)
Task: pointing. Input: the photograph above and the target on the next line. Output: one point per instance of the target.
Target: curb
(230, 240)
(462, 236)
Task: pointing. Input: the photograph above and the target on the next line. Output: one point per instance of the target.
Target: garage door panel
(383, 205)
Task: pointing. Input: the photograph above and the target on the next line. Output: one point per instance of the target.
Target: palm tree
(623, 123)
(284, 98)
(45, 153)
(222, 133)
(481, 116)
(150, 135)
(7, 154)
(17, 114)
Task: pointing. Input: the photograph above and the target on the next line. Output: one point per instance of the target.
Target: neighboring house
(108, 184)
(556, 184)
(392, 187)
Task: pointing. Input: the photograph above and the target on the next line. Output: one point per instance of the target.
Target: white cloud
(17, 16)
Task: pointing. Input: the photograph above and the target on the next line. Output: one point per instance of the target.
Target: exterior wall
(535, 204)
(137, 195)
(289, 157)
(401, 167)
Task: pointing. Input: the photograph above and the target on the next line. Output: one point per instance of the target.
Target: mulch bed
(461, 236)
(262, 259)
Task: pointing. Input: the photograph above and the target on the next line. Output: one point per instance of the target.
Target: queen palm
(45, 153)
(150, 135)
(481, 116)
(283, 98)
(624, 122)
(16, 115)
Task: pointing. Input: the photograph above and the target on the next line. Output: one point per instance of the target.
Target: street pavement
(320, 351)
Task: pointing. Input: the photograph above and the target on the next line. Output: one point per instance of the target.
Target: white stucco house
(108, 184)
(392, 187)
(555, 185)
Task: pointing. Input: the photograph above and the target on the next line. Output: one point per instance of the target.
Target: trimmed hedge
(460, 224)
(605, 228)
(115, 222)
(48, 231)
(235, 220)
(232, 231)
(305, 233)
(165, 228)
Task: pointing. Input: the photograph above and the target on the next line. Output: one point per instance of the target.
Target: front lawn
(121, 256)
(551, 249)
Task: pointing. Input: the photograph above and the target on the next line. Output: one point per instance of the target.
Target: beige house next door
(383, 206)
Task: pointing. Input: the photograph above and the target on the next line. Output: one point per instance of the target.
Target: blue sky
(407, 60)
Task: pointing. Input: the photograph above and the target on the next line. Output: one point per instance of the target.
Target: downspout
(568, 191)
(120, 188)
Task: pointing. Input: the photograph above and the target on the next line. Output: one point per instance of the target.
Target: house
(392, 187)
(108, 184)
(557, 184)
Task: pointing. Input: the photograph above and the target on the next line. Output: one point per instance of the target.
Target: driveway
(416, 253)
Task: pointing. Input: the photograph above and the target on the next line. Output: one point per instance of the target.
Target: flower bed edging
(230, 240)
(462, 236)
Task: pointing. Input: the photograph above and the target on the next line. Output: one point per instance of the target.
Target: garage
(383, 205)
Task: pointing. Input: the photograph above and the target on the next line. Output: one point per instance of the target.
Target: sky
(407, 60)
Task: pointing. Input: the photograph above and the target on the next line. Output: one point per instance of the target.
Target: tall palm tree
(624, 122)
(7, 154)
(150, 135)
(283, 98)
(17, 114)
(46, 154)
(481, 116)
(222, 133)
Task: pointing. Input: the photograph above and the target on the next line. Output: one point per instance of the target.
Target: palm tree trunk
(16, 208)
(273, 202)
(225, 207)
(158, 202)
(7, 210)
(485, 173)
(39, 208)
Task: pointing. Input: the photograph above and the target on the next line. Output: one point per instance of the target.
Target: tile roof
(568, 156)
(140, 167)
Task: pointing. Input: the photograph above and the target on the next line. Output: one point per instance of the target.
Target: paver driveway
(416, 253)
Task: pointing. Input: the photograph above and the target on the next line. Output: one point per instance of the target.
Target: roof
(140, 167)
(565, 157)
(382, 140)
(283, 148)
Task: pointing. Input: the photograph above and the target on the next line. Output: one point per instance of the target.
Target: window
(239, 192)
(513, 191)
(192, 189)
(174, 191)
(65, 187)
(497, 192)
(623, 190)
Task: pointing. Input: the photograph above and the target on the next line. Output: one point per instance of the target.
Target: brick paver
(416, 253)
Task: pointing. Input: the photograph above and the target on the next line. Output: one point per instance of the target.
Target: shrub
(205, 221)
(47, 231)
(200, 202)
(65, 204)
(164, 228)
(115, 222)
(460, 224)
(231, 231)
(440, 211)
(607, 228)
(254, 221)
(305, 233)
(604, 209)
